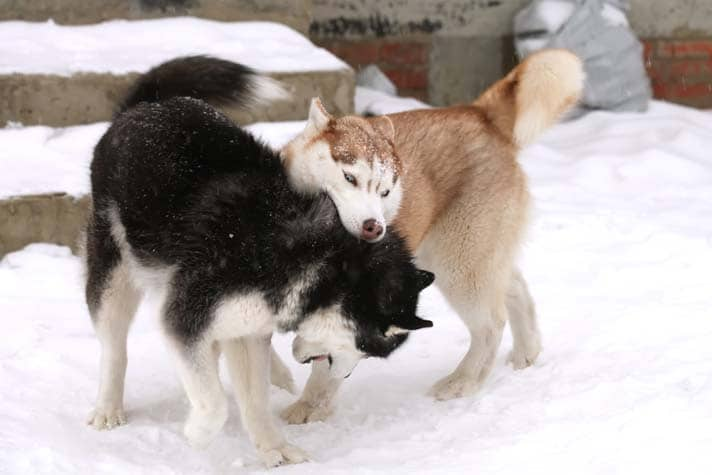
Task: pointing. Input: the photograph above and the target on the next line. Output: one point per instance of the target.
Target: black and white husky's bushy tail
(217, 81)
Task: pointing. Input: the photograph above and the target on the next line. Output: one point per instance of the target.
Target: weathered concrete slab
(294, 13)
(67, 75)
(55, 218)
(92, 97)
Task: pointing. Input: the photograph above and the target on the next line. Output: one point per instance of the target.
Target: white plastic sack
(598, 32)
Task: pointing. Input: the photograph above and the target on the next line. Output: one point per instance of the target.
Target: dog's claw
(523, 358)
(286, 454)
(106, 419)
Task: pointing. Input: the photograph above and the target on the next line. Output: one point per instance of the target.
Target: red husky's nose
(371, 230)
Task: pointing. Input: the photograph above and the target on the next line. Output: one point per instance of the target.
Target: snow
(371, 101)
(63, 155)
(41, 159)
(617, 259)
(121, 46)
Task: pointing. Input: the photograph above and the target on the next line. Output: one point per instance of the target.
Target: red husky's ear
(384, 125)
(318, 117)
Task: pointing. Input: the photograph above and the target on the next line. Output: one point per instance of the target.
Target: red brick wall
(404, 61)
(681, 70)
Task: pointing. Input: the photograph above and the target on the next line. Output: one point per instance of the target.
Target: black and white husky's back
(188, 205)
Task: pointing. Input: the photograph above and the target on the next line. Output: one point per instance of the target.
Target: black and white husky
(191, 207)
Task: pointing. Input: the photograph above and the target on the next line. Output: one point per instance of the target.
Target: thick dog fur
(462, 203)
(192, 208)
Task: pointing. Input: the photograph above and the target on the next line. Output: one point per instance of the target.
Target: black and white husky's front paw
(103, 418)
(302, 412)
(282, 455)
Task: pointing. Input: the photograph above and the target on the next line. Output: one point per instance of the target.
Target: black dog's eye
(385, 193)
(350, 178)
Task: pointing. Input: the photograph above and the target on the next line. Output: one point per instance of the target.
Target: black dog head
(383, 298)
(364, 306)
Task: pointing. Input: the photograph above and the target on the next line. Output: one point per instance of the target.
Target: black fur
(102, 255)
(196, 192)
(214, 80)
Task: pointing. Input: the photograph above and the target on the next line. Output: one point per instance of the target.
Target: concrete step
(67, 75)
(44, 185)
(294, 13)
(56, 218)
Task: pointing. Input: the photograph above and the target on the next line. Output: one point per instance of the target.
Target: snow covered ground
(618, 260)
(122, 46)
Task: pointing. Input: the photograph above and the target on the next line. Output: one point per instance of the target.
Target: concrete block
(462, 67)
(92, 97)
(54, 218)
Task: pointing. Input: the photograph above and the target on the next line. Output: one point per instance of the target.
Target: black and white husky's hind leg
(112, 300)
(248, 361)
(187, 313)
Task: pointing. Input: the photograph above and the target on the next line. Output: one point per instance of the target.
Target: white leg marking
(111, 323)
(248, 361)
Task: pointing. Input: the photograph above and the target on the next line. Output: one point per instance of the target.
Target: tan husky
(449, 182)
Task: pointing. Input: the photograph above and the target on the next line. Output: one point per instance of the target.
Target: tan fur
(465, 204)
(447, 153)
(535, 94)
(354, 138)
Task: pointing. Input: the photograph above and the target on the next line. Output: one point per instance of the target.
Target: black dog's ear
(424, 278)
(416, 323)
(322, 214)
(407, 325)
(315, 222)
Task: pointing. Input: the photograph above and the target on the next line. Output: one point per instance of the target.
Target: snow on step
(121, 47)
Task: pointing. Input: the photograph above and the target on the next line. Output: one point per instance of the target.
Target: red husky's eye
(350, 178)
(385, 193)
